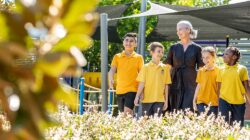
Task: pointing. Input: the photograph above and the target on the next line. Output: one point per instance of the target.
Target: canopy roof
(212, 23)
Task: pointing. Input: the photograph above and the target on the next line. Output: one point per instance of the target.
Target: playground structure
(82, 90)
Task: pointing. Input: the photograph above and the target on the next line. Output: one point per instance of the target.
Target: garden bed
(98, 125)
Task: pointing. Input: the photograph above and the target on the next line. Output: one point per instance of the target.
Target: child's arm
(165, 107)
(112, 71)
(139, 92)
(218, 91)
(195, 97)
(247, 88)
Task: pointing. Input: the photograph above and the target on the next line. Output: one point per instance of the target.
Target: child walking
(233, 87)
(206, 89)
(127, 64)
(154, 78)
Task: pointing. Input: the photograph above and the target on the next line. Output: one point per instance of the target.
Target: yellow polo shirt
(208, 86)
(231, 78)
(128, 68)
(155, 77)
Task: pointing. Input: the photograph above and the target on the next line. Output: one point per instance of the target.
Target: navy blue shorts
(232, 112)
(213, 109)
(126, 100)
(152, 108)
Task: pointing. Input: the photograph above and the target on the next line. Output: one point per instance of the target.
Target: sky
(236, 1)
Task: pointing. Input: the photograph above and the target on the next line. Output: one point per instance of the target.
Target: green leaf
(54, 64)
(4, 28)
(78, 40)
(229, 137)
(84, 26)
(75, 11)
(66, 96)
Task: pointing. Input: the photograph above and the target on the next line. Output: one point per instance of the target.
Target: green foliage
(114, 2)
(66, 26)
(93, 55)
(201, 3)
(132, 24)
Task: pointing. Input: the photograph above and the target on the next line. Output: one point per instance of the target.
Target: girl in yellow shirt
(206, 90)
(233, 87)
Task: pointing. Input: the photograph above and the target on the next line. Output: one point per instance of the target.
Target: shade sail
(236, 16)
(155, 9)
(212, 23)
(113, 12)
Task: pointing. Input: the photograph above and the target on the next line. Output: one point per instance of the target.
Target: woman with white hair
(184, 58)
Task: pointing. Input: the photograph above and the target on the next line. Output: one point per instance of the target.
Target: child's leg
(213, 110)
(129, 102)
(201, 107)
(147, 109)
(120, 102)
(224, 109)
(157, 108)
(238, 113)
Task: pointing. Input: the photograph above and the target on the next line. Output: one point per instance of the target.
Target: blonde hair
(152, 46)
(188, 25)
(210, 50)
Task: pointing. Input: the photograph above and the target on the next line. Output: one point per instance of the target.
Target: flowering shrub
(98, 125)
(4, 123)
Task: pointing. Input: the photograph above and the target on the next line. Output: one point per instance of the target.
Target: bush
(97, 125)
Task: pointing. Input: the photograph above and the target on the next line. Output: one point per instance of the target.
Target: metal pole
(227, 41)
(104, 60)
(81, 96)
(110, 101)
(142, 29)
(138, 50)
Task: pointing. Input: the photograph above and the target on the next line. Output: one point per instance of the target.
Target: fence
(80, 92)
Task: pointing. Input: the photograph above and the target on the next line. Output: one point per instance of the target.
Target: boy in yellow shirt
(206, 89)
(127, 64)
(233, 87)
(153, 81)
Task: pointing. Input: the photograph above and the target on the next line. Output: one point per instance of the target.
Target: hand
(248, 98)
(142, 96)
(165, 106)
(136, 101)
(194, 106)
(111, 83)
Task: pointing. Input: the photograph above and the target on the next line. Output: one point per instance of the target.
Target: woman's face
(183, 32)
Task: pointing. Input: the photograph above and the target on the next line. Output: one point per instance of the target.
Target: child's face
(157, 54)
(129, 43)
(207, 58)
(229, 57)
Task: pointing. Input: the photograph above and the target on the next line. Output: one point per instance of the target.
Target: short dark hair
(235, 52)
(154, 45)
(131, 34)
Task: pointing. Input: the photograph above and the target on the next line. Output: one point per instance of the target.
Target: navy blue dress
(183, 75)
